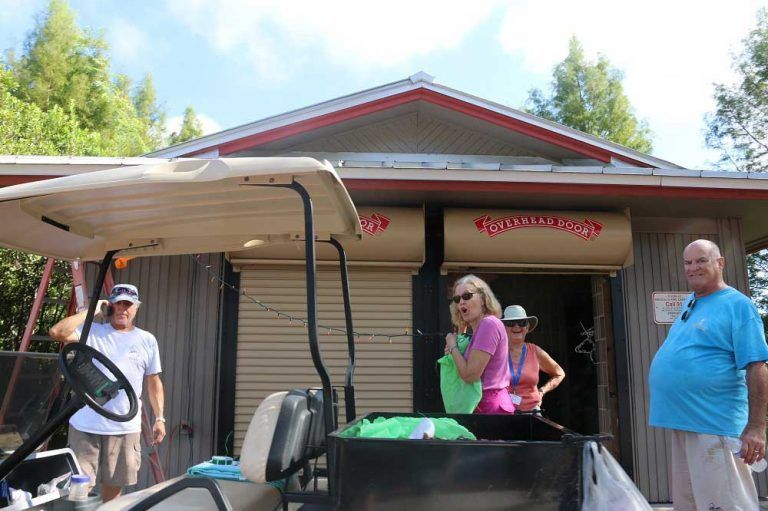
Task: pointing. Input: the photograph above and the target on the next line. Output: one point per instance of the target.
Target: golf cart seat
(286, 431)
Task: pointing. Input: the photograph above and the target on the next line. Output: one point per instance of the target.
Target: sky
(238, 61)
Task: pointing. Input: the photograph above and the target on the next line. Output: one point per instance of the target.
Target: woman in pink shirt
(526, 360)
(474, 305)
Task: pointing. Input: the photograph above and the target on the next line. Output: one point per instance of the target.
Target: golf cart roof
(176, 207)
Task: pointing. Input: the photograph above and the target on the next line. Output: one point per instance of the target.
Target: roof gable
(374, 105)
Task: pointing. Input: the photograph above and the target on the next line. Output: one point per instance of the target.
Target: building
(586, 234)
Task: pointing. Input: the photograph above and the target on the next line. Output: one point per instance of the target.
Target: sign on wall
(667, 306)
(540, 239)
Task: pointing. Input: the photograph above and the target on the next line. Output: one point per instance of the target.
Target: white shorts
(707, 476)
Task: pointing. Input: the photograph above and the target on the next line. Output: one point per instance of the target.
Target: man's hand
(753, 436)
(753, 444)
(158, 432)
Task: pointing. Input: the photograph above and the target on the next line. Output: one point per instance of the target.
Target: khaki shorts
(115, 458)
(707, 476)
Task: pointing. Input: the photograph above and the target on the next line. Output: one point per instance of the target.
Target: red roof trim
(319, 122)
(421, 94)
(553, 189)
(11, 180)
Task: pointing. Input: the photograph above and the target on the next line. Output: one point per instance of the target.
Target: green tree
(21, 275)
(191, 127)
(739, 125)
(147, 108)
(27, 129)
(64, 66)
(757, 270)
(590, 97)
(60, 98)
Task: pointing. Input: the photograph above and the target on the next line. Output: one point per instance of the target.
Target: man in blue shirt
(709, 385)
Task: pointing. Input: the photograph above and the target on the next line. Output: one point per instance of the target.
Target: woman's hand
(450, 342)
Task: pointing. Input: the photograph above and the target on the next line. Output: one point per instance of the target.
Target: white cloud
(355, 34)
(127, 42)
(173, 124)
(671, 52)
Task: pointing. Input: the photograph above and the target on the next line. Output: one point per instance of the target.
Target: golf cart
(227, 205)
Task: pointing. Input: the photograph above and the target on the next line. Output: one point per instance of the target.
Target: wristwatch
(159, 419)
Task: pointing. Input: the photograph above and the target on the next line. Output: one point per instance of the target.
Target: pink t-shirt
(491, 337)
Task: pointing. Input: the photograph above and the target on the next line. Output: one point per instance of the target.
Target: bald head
(706, 245)
(704, 267)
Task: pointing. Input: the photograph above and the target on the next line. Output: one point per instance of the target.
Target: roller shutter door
(273, 352)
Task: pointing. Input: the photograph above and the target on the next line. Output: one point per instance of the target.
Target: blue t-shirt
(697, 379)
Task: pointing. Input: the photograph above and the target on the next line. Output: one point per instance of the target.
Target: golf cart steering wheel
(89, 382)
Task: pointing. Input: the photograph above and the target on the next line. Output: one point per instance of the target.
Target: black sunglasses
(688, 310)
(522, 323)
(466, 296)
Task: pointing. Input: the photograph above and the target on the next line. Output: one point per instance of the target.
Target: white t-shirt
(135, 353)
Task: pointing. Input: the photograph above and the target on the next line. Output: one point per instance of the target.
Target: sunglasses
(688, 310)
(522, 323)
(116, 291)
(466, 296)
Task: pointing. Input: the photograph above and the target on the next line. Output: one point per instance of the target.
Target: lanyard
(516, 374)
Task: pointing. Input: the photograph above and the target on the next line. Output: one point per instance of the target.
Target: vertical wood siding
(180, 306)
(658, 267)
(273, 354)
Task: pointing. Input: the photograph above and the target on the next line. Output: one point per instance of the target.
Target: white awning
(177, 207)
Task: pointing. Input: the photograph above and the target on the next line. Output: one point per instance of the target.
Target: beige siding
(658, 267)
(273, 354)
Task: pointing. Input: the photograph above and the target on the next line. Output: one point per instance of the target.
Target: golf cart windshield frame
(329, 417)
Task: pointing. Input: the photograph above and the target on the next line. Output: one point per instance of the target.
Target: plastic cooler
(517, 460)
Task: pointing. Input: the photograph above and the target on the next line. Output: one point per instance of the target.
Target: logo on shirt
(587, 230)
(134, 356)
(700, 325)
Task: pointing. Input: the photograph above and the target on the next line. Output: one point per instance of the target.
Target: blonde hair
(490, 304)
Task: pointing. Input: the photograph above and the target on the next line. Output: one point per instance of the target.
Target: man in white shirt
(102, 446)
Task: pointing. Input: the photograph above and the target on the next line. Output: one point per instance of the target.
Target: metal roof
(418, 81)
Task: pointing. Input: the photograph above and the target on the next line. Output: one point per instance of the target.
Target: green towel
(401, 428)
(458, 395)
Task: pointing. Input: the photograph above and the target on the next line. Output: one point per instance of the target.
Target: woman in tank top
(526, 360)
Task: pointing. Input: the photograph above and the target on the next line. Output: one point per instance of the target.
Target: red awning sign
(374, 224)
(587, 230)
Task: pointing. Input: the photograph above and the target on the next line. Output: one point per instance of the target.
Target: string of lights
(329, 330)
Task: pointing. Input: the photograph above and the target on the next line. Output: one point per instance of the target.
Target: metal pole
(103, 269)
(349, 388)
(314, 343)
